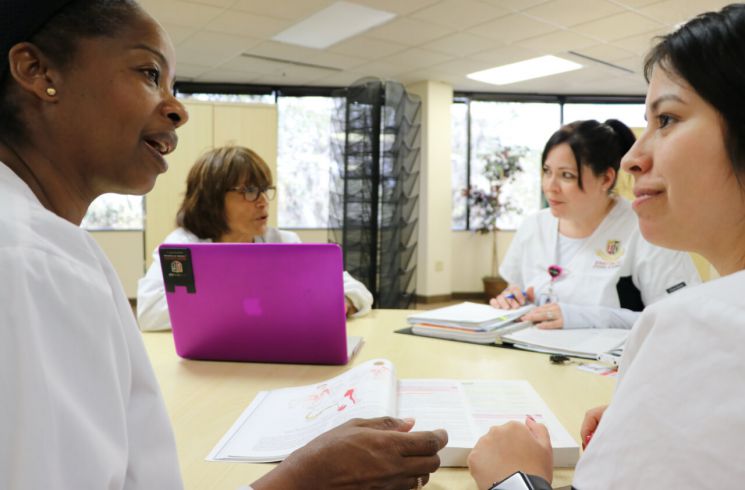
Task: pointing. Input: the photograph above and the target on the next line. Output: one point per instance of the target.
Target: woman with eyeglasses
(583, 260)
(227, 200)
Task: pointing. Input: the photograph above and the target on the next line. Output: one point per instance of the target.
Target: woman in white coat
(87, 107)
(227, 200)
(583, 260)
(677, 418)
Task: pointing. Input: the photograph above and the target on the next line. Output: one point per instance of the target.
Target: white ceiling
(440, 40)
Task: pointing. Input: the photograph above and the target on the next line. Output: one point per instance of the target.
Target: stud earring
(51, 91)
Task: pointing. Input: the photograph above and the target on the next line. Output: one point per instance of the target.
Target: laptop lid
(256, 302)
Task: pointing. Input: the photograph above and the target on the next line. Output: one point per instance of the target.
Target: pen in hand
(512, 296)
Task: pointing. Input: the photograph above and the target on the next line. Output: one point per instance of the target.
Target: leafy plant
(501, 168)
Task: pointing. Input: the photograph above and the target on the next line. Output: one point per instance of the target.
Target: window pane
(115, 212)
(304, 161)
(500, 124)
(459, 162)
(632, 115)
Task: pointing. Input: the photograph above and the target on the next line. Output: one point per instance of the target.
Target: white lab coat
(80, 404)
(586, 290)
(677, 419)
(152, 308)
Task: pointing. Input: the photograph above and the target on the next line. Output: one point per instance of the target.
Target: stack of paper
(468, 322)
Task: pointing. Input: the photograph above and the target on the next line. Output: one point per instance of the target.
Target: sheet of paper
(280, 421)
(467, 409)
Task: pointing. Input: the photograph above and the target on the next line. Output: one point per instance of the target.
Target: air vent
(290, 62)
(595, 60)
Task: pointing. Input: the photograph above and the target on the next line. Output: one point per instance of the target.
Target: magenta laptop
(257, 302)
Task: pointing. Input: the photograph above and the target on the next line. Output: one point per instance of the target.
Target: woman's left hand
(547, 316)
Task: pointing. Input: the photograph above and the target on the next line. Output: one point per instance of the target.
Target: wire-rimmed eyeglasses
(251, 194)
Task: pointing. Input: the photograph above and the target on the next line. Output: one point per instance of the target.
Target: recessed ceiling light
(525, 70)
(336, 22)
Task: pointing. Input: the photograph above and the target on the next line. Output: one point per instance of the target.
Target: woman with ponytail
(583, 260)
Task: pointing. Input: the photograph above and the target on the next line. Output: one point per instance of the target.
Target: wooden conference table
(205, 398)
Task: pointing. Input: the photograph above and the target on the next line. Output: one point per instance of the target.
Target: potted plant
(501, 167)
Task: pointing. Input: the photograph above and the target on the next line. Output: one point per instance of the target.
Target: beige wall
(125, 251)
(434, 259)
(210, 125)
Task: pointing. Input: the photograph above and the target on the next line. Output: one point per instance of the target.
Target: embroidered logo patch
(611, 256)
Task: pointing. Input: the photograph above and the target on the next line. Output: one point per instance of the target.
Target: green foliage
(501, 168)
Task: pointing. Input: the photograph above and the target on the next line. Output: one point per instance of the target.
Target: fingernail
(409, 420)
(530, 417)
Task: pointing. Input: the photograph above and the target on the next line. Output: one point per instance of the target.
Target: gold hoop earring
(51, 91)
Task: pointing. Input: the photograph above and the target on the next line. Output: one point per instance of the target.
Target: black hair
(58, 38)
(597, 145)
(708, 52)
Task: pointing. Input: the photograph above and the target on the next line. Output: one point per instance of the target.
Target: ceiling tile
(367, 47)
(246, 24)
(178, 33)
(557, 42)
(504, 55)
(187, 70)
(572, 12)
(378, 69)
(294, 10)
(273, 49)
(641, 43)
(212, 48)
(251, 65)
(415, 58)
(214, 3)
(674, 12)
(397, 6)
(460, 14)
(618, 26)
(339, 79)
(516, 5)
(461, 67)
(335, 60)
(605, 52)
(635, 4)
(633, 63)
(410, 32)
(227, 76)
(512, 28)
(461, 44)
(182, 13)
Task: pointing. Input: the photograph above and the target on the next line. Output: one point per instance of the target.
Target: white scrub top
(152, 307)
(588, 288)
(677, 419)
(80, 408)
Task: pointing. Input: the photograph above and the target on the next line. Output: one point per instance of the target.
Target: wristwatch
(521, 481)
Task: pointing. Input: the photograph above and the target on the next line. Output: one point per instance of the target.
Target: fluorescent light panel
(335, 23)
(525, 70)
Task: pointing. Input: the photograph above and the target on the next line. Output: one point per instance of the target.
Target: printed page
(279, 421)
(467, 409)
